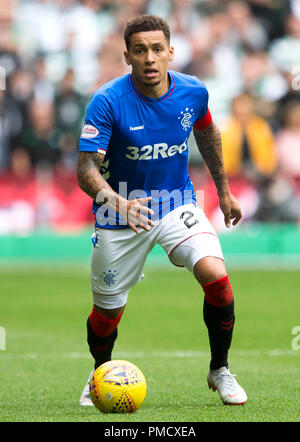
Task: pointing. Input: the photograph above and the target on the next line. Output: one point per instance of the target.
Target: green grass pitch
(46, 361)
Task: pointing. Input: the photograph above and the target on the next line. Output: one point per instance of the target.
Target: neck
(153, 91)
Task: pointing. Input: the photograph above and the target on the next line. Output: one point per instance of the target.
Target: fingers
(136, 219)
(141, 203)
(134, 228)
(227, 220)
(231, 210)
(136, 222)
(144, 201)
(234, 215)
(237, 218)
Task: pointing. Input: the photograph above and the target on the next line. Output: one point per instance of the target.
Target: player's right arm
(94, 141)
(89, 177)
(91, 182)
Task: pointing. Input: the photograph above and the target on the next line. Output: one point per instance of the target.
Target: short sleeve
(97, 129)
(204, 118)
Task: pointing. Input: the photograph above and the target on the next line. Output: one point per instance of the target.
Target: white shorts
(119, 256)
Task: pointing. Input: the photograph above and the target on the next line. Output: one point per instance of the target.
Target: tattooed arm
(91, 182)
(210, 146)
(88, 173)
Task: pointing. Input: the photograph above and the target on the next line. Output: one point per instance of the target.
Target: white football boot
(85, 398)
(222, 381)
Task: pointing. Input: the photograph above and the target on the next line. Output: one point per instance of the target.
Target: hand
(231, 209)
(132, 212)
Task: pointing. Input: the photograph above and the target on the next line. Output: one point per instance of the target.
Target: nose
(149, 57)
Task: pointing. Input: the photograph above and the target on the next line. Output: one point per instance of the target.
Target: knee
(219, 292)
(209, 269)
(110, 305)
(103, 323)
(110, 313)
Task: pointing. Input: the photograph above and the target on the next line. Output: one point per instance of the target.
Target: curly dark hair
(146, 23)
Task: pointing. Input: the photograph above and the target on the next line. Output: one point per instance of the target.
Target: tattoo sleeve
(210, 146)
(88, 173)
(91, 181)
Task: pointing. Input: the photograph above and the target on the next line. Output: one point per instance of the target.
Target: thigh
(181, 224)
(209, 269)
(188, 236)
(118, 258)
(201, 254)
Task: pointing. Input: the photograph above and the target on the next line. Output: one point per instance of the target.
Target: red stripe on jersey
(204, 122)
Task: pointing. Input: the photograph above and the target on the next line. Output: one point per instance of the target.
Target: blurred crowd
(55, 53)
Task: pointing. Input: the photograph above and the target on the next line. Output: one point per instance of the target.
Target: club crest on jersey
(185, 118)
(89, 131)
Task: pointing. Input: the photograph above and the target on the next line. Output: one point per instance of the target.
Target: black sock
(219, 322)
(100, 347)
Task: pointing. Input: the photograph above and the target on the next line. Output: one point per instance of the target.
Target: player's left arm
(209, 143)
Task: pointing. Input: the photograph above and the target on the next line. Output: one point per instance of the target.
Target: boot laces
(224, 376)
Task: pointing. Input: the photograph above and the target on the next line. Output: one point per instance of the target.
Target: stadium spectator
(21, 86)
(185, 21)
(69, 104)
(245, 28)
(67, 161)
(21, 169)
(285, 51)
(292, 94)
(288, 142)
(278, 200)
(224, 50)
(17, 193)
(11, 124)
(110, 60)
(44, 89)
(248, 141)
(261, 78)
(9, 57)
(271, 15)
(40, 137)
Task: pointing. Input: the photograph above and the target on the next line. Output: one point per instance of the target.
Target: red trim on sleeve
(204, 122)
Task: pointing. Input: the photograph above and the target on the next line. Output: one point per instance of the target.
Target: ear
(127, 60)
(171, 53)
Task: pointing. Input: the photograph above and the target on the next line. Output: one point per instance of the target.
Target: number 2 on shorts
(187, 219)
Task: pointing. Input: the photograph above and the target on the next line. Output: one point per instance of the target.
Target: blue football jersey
(145, 142)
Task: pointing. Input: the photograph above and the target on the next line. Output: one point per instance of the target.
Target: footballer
(133, 163)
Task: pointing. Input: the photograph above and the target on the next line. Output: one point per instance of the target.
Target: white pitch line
(140, 354)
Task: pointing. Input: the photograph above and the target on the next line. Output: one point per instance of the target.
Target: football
(118, 387)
